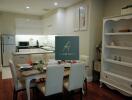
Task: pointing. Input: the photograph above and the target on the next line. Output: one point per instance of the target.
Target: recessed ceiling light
(55, 3)
(27, 7)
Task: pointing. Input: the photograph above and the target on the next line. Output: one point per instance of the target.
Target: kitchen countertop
(48, 48)
(43, 48)
(38, 51)
(35, 47)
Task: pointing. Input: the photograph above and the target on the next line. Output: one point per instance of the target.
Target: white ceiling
(38, 7)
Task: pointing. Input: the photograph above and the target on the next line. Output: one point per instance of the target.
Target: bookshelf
(116, 63)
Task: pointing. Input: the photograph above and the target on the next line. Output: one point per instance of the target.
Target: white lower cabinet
(121, 83)
(21, 59)
(31, 50)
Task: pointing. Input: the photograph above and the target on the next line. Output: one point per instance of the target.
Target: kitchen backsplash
(44, 40)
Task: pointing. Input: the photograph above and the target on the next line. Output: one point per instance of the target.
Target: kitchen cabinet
(8, 23)
(21, 58)
(34, 55)
(29, 26)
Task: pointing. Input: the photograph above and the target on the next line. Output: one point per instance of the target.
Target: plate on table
(24, 67)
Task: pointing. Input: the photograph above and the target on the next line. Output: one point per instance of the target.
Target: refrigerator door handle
(3, 48)
(3, 44)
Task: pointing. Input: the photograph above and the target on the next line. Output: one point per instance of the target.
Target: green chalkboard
(67, 47)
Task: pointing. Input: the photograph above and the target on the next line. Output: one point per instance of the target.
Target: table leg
(85, 86)
(28, 88)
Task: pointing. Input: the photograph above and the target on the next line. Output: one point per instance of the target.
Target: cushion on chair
(66, 84)
(41, 87)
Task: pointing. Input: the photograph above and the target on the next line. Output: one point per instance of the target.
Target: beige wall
(7, 21)
(53, 23)
(92, 36)
(113, 7)
(95, 27)
(61, 22)
(69, 27)
(88, 38)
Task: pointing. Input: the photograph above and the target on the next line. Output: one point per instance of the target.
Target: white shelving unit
(119, 33)
(118, 47)
(119, 62)
(116, 65)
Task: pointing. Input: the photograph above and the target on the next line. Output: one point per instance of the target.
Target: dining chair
(54, 80)
(19, 83)
(85, 60)
(75, 80)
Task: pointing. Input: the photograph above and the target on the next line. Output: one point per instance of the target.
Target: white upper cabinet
(7, 25)
(29, 26)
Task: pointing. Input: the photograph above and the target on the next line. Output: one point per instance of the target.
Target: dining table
(33, 73)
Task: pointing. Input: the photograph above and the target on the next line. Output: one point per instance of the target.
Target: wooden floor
(94, 93)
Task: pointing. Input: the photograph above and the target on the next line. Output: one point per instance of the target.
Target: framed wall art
(83, 11)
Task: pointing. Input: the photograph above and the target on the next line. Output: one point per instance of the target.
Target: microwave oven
(24, 43)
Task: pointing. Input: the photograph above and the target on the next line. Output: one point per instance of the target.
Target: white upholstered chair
(54, 80)
(85, 60)
(76, 78)
(19, 84)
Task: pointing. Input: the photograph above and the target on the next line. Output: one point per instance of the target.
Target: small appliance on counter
(37, 43)
(23, 44)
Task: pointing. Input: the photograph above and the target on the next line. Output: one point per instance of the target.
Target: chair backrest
(76, 76)
(14, 74)
(54, 79)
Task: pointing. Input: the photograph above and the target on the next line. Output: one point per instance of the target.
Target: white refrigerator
(7, 48)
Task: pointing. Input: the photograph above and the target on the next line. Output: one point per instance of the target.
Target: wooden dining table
(34, 74)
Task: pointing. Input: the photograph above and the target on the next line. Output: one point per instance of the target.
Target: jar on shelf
(115, 57)
(119, 58)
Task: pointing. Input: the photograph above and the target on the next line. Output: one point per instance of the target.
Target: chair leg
(68, 95)
(14, 94)
(47, 97)
(71, 93)
(61, 96)
(85, 86)
(34, 93)
(81, 95)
